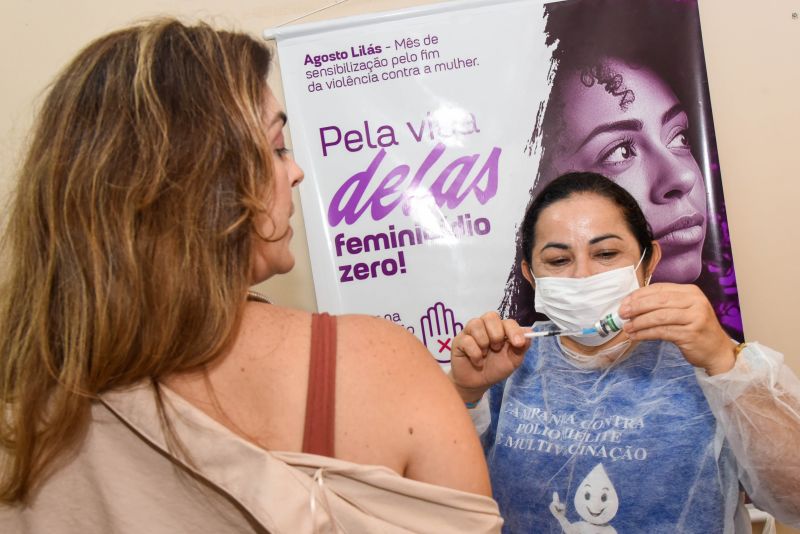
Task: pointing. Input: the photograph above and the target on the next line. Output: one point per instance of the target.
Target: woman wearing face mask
(627, 102)
(648, 429)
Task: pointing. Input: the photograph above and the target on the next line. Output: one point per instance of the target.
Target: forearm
(757, 403)
(468, 395)
(477, 405)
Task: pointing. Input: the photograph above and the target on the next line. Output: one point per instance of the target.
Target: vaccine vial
(609, 324)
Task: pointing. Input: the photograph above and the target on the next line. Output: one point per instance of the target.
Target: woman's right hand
(485, 352)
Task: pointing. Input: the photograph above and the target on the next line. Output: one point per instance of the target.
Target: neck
(573, 345)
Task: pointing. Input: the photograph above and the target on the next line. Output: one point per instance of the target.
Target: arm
(484, 353)
(558, 510)
(480, 414)
(755, 398)
(396, 400)
(757, 403)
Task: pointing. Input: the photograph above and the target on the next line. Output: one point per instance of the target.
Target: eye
(557, 262)
(680, 140)
(606, 254)
(604, 497)
(587, 495)
(279, 145)
(619, 153)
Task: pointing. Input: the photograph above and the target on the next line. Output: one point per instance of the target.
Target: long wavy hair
(129, 234)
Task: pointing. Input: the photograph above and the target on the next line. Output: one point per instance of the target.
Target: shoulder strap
(321, 398)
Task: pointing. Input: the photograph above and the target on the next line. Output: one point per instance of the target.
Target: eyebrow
(560, 246)
(603, 237)
(634, 125)
(593, 241)
(671, 113)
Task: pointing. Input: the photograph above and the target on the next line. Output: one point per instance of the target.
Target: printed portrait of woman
(629, 100)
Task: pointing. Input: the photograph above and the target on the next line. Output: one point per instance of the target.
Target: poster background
(466, 111)
(457, 277)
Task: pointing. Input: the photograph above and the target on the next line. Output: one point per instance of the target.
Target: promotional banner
(424, 133)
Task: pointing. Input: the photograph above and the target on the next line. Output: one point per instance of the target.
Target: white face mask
(577, 303)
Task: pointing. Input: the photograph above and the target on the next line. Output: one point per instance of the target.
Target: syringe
(550, 333)
(604, 327)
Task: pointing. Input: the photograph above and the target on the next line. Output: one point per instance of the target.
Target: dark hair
(574, 183)
(657, 34)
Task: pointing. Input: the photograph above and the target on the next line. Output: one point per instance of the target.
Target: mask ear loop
(641, 259)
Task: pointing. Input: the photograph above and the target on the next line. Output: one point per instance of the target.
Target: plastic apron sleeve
(757, 403)
(480, 415)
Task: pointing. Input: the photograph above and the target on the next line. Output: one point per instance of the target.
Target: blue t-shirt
(626, 449)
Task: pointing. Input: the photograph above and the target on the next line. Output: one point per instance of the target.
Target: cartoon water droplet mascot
(595, 501)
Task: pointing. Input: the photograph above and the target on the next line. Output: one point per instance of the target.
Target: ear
(526, 272)
(655, 258)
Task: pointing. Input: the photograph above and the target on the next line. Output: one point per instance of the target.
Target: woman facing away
(626, 103)
(648, 428)
(142, 390)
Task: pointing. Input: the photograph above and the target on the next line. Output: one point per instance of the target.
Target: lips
(685, 231)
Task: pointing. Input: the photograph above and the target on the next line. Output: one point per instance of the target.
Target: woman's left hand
(682, 314)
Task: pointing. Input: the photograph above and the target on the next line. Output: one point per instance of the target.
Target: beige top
(124, 479)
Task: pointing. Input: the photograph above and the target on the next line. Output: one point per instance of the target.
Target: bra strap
(321, 398)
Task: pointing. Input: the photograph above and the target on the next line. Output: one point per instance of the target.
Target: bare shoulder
(378, 337)
(379, 346)
(276, 330)
(267, 315)
(400, 391)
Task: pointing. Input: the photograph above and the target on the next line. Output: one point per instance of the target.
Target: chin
(287, 269)
(680, 269)
(268, 269)
(286, 265)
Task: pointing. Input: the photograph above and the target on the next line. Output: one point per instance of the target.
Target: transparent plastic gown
(757, 405)
(645, 444)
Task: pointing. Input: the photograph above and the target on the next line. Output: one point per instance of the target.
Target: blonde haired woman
(142, 390)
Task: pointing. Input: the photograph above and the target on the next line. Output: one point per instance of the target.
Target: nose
(673, 177)
(296, 173)
(582, 267)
